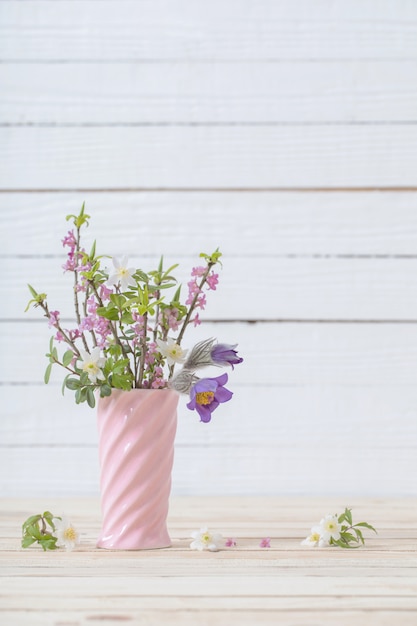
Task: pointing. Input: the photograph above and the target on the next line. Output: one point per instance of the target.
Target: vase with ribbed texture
(136, 451)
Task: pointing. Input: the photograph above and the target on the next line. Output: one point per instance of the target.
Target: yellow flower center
(206, 538)
(315, 537)
(70, 534)
(204, 397)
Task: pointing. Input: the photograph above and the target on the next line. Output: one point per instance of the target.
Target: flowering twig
(334, 530)
(122, 339)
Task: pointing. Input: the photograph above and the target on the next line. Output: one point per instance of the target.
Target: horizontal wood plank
(246, 224)
(267, 30)
(321, 470)
(209, 157)
(222, 93)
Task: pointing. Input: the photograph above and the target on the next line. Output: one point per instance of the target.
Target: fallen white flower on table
(205, 540)
(314, 539)
(67, 536)
(330, 528)
(335, 530)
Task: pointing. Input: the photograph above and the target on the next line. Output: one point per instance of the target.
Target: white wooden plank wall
(283, 131)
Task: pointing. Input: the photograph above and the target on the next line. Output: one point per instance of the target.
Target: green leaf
(91, 401)
(27, 541)
(48, 517)
(365, 525)
(348, 516)
(342, 544)
(109, 313)
(33, 519)
(348, 537)
(67, 358)
(47, 374)
(105, 390)
(72, 383)
(32, 291)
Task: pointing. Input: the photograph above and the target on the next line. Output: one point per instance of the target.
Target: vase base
(141, 549)
(138, 543)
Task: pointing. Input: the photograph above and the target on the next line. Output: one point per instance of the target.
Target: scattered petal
(230, 543)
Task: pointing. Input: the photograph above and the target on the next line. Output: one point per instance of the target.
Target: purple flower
(225, 354)
(206, 395)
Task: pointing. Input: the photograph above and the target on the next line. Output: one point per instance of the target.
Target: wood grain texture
(236, 30)
(287, 584)
(350, 92)
(250, 224)
(210, 157)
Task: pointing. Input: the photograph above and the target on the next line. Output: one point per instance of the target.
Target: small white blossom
(205, 540)
(122, 274)
(67, 536)
(313, 540)
(92, 364)
(330, 528)
(171, 351)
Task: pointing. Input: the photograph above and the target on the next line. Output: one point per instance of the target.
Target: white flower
(67, 536)
(92, 364)
(122, 275)
(330, 528)
(315, 539)
(171, 351)
(205, 540)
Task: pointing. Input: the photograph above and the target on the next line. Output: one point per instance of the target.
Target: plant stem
(76, 303)
(190, 311)
(113, 328)
(142, 352)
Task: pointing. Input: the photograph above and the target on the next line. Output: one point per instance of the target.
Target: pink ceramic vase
(136, 450)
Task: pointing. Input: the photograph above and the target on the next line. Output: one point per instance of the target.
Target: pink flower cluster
(195, 291)
(73, 263)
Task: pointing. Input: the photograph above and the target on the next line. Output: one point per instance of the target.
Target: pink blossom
(196, 320)
(105, 292)
(212, 280)
(92, 305)
(158, 383)
(87, 324)
(69, 240)
(198, 271)
(150, 354)
(193, 289)
(59, 336)
(74, 334)
(70, 264)
(169, 318)
(53, 318)
(201, 301)
(265, 542)
(230, 543)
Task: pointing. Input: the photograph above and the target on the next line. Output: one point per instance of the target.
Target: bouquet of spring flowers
(129, 328)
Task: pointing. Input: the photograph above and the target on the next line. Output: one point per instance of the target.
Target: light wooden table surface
(287, 584)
